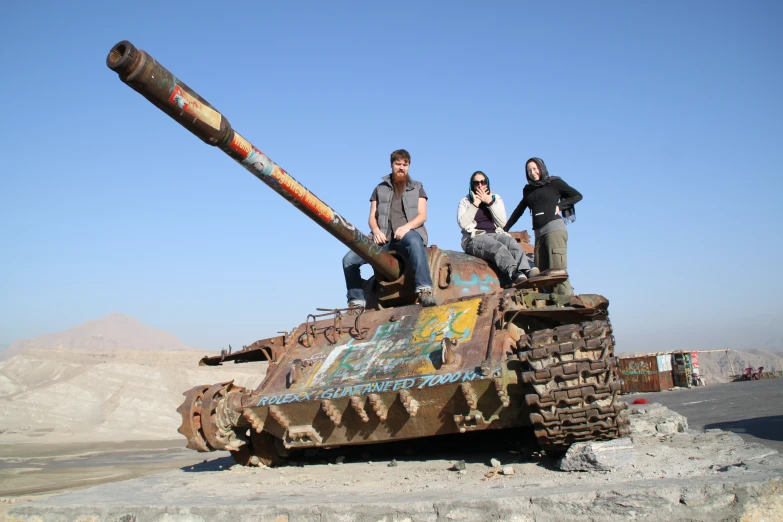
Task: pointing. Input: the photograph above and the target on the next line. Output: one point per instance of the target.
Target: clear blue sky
(667, 116)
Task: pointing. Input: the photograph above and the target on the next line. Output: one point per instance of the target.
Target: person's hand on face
(483, 194)
(487, 197)
(481, 191)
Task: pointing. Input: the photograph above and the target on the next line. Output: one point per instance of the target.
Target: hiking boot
(426, 299)
(357, 303)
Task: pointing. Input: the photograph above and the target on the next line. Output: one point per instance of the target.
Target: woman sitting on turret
(481, 216)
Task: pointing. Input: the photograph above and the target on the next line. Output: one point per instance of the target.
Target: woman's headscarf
(568, 213)
(544, 177)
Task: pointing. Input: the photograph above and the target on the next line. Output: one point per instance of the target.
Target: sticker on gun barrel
(195, 108)
(241, 145)
(258, 162)
(304, 196)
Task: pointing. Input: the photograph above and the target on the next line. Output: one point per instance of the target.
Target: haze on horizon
(667, 117)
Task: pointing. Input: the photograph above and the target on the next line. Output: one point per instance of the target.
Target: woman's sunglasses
(478, 182)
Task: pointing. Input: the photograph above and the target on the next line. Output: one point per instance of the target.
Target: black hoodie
(543, 197)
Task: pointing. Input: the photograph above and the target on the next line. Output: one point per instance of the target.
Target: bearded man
(398, 210)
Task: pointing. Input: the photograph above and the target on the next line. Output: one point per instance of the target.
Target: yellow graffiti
(456, 320)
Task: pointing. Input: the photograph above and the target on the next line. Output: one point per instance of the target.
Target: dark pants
(411, 246)
(552, 252)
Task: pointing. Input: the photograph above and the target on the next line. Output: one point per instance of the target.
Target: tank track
(573, 371)
(260, 449)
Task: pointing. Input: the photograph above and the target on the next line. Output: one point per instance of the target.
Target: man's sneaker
(426, 299)
(519, 280)
(533, 272)
(357, 303)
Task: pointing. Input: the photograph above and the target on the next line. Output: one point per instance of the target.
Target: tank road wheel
(191, 426)
(262, 448)
(573, 372)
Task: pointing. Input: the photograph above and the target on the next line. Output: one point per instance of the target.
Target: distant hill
(113, 332)
(716, 368)
(74, 395)
(110, 379)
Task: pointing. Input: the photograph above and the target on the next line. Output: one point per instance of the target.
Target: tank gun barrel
(143, 74)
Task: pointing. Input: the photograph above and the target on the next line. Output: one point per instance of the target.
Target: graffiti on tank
(390, 385)
(456, 323)
(410, 345)
(355, 361)
(361, 239)
(475, 284)
(338, 218)
(313, 359)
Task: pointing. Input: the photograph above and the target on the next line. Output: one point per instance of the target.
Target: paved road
(752, 409)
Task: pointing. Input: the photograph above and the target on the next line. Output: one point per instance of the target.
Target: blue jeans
(411, 246)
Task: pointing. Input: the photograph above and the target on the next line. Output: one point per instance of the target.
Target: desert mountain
(717, 368)
(74, 395)
(113, 332)
(111, 379)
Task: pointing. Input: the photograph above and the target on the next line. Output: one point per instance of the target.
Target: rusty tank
(484, 358)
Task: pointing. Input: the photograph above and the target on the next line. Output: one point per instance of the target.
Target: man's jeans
(501, 250)
(411, 246)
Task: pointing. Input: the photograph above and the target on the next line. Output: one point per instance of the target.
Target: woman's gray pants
(499, 249)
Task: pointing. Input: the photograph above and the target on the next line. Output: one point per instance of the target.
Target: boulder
(598, 455)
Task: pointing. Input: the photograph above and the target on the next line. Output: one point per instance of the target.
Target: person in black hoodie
(547, 196)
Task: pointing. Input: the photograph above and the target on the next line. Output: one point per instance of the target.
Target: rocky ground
(661, 472)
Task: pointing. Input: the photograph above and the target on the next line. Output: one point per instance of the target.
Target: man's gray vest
(410, 204)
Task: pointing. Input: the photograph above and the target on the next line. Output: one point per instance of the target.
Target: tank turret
(484, 358)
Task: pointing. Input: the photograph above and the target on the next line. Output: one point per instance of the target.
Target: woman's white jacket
(466, 217)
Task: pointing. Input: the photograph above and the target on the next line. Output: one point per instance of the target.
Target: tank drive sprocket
(573, 373)
(209, 422)
(191, 426)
